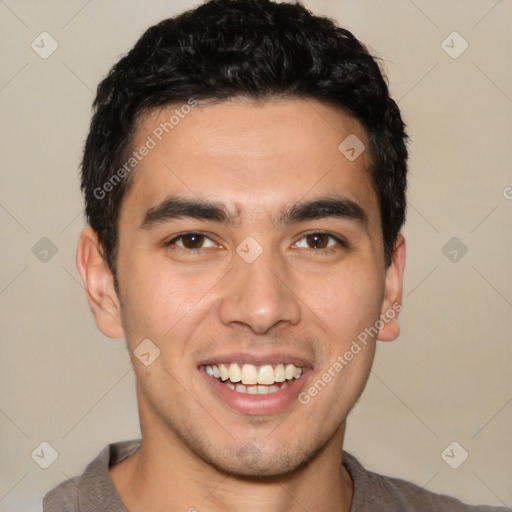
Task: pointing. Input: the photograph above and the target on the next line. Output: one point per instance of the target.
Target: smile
(254, 380)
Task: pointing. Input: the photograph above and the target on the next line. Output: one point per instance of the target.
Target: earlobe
(392, 303)
(98, 283)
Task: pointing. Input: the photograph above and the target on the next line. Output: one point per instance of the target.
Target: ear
(99, 284)
(392, 303)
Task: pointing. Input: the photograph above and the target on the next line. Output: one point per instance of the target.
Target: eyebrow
(175, 207)
(321, 208)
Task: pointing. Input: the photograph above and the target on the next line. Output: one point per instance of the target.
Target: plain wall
(447, 378)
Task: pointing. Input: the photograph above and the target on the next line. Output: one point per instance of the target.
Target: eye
(319, 240)
(192, 241)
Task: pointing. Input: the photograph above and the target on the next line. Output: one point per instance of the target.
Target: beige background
(448, 377)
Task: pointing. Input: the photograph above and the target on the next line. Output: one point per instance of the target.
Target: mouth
(256, 385)
(255, 380)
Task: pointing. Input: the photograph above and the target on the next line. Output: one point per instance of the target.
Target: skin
(295, 298)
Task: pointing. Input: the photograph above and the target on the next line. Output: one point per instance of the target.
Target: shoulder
(373, 492)
(63, 498)
(83, 493)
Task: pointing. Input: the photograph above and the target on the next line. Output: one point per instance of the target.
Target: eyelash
(341, 242)
(188, 233)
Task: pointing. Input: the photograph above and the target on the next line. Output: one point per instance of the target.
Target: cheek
(346, 300)
(159, 300)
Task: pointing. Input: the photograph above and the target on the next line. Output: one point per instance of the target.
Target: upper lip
(257, 359)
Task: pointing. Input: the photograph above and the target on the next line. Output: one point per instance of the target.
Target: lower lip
(244, 403)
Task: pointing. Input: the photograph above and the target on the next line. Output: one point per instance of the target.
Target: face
(250, 251)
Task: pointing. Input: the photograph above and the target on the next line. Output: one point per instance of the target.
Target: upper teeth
(250, 374)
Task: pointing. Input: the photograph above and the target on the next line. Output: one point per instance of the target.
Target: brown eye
(193, 241)
(317, 240)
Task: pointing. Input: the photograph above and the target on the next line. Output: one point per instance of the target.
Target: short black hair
(255, 49)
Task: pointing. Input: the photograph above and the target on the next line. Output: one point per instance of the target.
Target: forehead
(253, 157)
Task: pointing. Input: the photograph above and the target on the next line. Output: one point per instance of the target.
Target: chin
(254, 460)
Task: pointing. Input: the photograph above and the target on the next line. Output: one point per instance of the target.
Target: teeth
(234, 373)
(224, 372)
(266, 375)
(249, 374)
(254, 380)
(279, 372)
(256, 389)
(262, 390)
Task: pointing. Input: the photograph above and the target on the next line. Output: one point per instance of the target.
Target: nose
(260, 295)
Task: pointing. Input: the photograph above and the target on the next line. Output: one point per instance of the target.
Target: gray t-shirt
(94, 491)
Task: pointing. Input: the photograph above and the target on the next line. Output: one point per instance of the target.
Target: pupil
(192, 241)
(318, 240)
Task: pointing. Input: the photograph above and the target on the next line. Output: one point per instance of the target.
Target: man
(244, 179)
